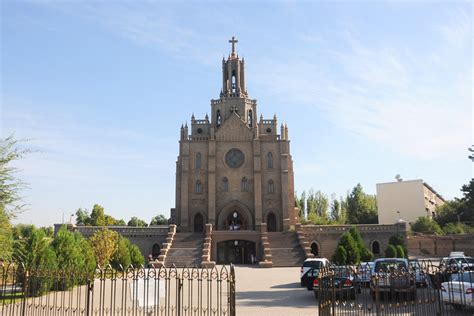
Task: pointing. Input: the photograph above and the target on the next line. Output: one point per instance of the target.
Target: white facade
(406, 200)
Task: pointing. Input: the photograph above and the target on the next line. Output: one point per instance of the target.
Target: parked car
(459, 290)
(420, 275)
(393, 277)
(310, 270)
(457, 261)
(364, 272)
(343, 283)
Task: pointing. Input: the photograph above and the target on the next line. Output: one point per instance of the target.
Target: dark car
(342, 284)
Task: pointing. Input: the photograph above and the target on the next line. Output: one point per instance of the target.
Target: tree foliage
(352, 250)
(159, 220)
(340, 256)
(400, 251)
(453, 229)
(361, 207)
(97, 217)
(391, 251)
(104, 244)
(136, 222)
(426, 225)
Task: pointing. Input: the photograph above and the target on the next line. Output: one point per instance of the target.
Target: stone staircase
(186, 250)
(286, 250)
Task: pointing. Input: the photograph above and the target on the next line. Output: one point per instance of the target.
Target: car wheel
(316, 294)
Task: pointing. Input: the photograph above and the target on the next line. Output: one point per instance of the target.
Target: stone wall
(326, 237)
(440, 246)
(143, 237)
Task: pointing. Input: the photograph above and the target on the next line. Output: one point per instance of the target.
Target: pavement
(274, 292)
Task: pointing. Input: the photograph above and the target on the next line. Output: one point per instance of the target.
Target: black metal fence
(391, 288)
(136, 291)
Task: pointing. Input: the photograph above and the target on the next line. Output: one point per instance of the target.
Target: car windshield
(385, 266)
(463, 277)
(342, 272)
(312, 264)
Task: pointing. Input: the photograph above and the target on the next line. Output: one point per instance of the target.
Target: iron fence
(105, 291)
(421, 288)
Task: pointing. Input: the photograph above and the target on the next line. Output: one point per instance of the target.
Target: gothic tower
(234, 171)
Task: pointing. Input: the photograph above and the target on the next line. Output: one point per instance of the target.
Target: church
(234, 170)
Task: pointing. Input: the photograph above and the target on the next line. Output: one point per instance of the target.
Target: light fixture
(235, 214)
(236, 242)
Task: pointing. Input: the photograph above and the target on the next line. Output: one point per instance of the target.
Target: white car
(311, 264)
(459, 290)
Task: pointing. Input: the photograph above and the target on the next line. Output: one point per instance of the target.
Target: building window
(269, 160)
(244, 185)
(218, 118)
(198, 161)
(250, 118)
(376, 248)
(198, 188)
(225, 184)
(270, 187)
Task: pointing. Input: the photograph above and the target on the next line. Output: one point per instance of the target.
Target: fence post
(377, 296)
(25, 291)
(180, 288)
(90, 286)
(232, 290)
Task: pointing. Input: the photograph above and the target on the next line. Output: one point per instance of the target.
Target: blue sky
(368, 90)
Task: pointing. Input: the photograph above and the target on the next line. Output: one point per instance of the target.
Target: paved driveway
(274, 292)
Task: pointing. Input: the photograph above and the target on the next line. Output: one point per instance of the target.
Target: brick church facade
(234, 169)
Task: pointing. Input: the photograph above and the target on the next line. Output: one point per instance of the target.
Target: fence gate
(141, 291)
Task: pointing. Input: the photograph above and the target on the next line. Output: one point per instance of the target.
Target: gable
(234, 129)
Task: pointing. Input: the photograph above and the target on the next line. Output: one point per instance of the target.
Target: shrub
(136, 256)
(453, 229)
(340, 256)
(391, 251)
(427, 226)
(400, 251)
(366, 255)
(353, 253)
(121, 259)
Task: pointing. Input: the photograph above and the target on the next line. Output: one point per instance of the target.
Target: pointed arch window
(198, 161)
(234, 82)
(218, 118)
(270, 160)
(250, 118)
(270, 186)
(198, 188)
(244, 185)
(225, 184)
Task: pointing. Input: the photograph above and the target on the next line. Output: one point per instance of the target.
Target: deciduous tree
(104, 244)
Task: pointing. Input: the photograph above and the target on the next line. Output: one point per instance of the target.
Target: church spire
(233, 74)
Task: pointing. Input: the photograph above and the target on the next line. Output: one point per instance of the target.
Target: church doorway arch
(236, 252)
(155, 251)
(235, 216)
(315, 249)
(271, 222)
(198, 223)
(376, 247)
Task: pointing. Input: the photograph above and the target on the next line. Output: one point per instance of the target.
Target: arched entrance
(236, 251)
(235, 216)
(155, 251)
(376, 247)
(198, 223)
(271, 222)
(315, 249)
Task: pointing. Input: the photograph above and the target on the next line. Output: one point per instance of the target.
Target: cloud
(400, 98)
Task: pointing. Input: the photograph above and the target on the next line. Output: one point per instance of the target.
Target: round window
(269, 130)
(199, 130)
(234, 158)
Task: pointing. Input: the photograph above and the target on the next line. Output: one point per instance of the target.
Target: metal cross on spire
(233, 41)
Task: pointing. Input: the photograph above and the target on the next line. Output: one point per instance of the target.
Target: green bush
(136, 256)
(366, 255)
(453, 229)
(340, 256)
(391, 251)
(426, 225)
(397, 240)
(400, 251)
(121, 259)
(353, 253)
